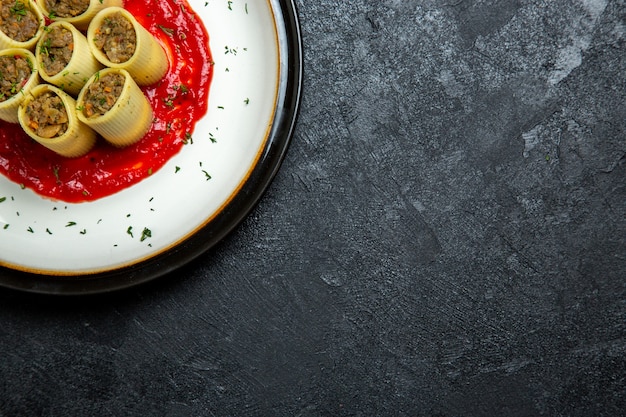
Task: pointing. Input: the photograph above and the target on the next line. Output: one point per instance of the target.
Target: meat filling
(17, 21)
(56, 49)
(14, 73)
(47, 116)
(101, 95)
(116, 37)
(67, 8)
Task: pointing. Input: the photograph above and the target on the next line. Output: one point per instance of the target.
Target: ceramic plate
(198, 197)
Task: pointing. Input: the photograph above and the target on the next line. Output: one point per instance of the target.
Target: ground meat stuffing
(14, 73)
(56, 49)
(17, 21)
(67, 8)
(101, 95)
(47, 116)
(116, 37)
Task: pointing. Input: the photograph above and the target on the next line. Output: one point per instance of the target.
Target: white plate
(198, 196)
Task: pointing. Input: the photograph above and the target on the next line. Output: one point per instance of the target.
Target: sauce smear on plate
(179, 100)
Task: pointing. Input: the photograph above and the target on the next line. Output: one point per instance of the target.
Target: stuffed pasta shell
(64, 57)
(18, 76)
(48, 115)
(119, 41)
(21, 24)
(77, 12)
(113, 105)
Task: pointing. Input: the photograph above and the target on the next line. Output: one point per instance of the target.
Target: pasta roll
(65, 58)
(18, 77)
(48, 115)
(77, 12)
(113, 105)
(119, 41)
(21, 24)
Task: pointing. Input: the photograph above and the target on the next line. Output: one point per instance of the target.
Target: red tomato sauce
(179, 100)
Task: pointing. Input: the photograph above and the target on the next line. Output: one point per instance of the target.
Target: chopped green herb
(19, 10)
(55, 171)
(182, 88)
(146, 233)
(166, 30)
(44, 49)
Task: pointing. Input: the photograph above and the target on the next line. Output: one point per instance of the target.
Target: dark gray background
(446, 237)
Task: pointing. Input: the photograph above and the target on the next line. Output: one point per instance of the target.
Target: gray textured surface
(446, 237)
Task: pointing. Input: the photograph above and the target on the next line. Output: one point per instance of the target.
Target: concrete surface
(446, 237)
